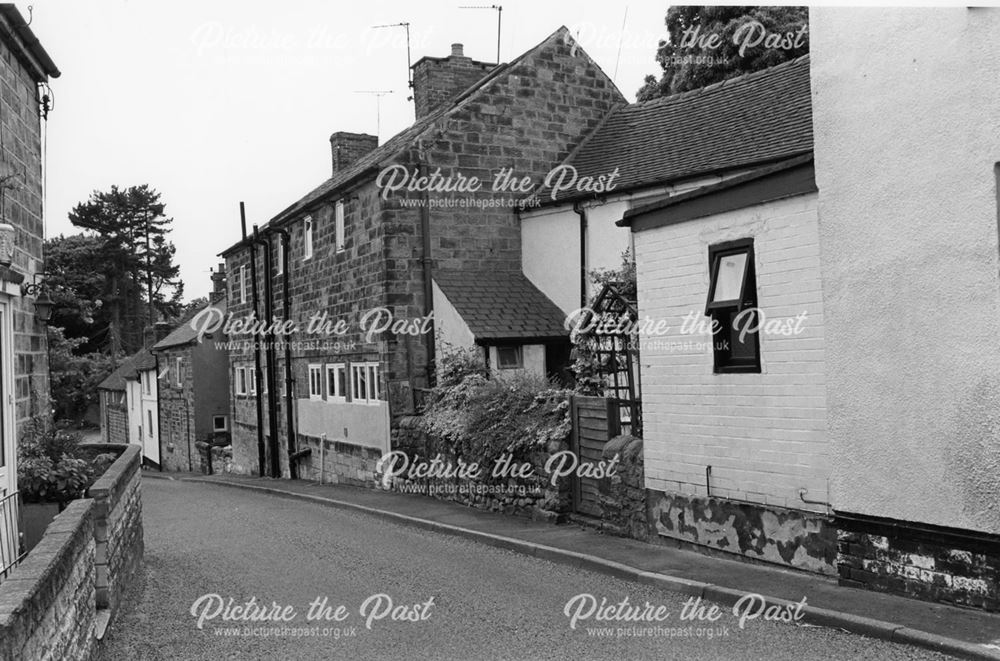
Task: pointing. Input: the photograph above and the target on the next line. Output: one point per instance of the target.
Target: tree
(74, 377)
(138, 260)
(77, 281)
(708, 44)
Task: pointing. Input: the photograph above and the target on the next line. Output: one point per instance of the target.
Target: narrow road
(486, 603)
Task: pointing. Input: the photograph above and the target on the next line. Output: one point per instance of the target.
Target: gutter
(582, 213)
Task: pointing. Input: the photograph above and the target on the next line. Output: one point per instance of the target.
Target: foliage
(458, 363)
(689, 65)
(588, 367)
(479, 418)
(129, 249)
(74, 378)
(49, 466)
(77, 284)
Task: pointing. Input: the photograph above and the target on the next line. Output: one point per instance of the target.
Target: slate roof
(128, 369)
(501, 305)
(748, 120)
(185, 332)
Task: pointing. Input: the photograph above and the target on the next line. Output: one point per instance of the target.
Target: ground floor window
(220, 423)
(315, 382)
(336, 382)
(732, 305)
(364, 383)
(510, 357)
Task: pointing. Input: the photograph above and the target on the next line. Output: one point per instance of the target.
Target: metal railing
(11, 540)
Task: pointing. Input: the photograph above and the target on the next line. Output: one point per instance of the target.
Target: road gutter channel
(856, 624)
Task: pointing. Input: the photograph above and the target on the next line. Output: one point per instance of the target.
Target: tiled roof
(500, 305)
(185, 332)
(748, 120)
(128, 369)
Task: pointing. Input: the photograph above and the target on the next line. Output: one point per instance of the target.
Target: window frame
(307, 238)
(178, 365)
(722, 313)
(370, 370)
(244, 280)
(225, 422)
(317, 370)
(280, 257)
(242, 387)
(519, 353)
(336, 394)
(340, 222)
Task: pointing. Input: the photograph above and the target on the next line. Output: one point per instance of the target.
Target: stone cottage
(193, 390)
(129, 405)
(25, 69)
(403, 248)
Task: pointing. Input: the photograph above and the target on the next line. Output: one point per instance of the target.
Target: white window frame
(371, 375)
(244, 280)
(334, 394)
(225, 423)
(252, 380)
(178, 366)
(307, 238)
(280, 260)
(241, 380)
(315, 381)
(338, 216)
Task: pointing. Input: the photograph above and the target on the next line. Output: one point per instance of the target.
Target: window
(178, 366)
(336, 383)
(280, 258)
(510, 358)
(252, 379)
(339, 225)
(364, 383)
(732, 305)
(147, 383)
(241, 381)
(234, 284)
(307, 230)
(149, 424)
(220, 423)
(315, 382)
(244, 284)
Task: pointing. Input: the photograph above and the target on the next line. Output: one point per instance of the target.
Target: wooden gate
(595, 422)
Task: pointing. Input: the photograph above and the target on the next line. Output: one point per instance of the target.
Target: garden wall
(533, 496)
(69, 587)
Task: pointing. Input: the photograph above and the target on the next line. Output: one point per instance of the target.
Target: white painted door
(9, 519)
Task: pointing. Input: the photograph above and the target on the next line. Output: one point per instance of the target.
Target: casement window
(244, 284)
(179, 374)
(280, 257)
(336, 383)
(510, 357)
(315, 382)
(149, 424)
(252, 379)
(242, 387)
(364, 383)
(220, 423)
(732, 305)
(339, 225)
(307, 231)
(234, 285)
(147, 382)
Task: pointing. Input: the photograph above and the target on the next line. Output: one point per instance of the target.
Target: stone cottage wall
(177, 432)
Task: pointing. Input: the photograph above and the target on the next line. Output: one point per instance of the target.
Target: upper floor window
(307, 231)
(280, 257)
(339, 225)
(732, 304)
(364, 383)
(179, 374)
(244, 283)
(242, 387)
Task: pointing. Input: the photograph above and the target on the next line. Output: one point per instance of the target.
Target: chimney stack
(349, 147)
(218, 292)
(437, 80)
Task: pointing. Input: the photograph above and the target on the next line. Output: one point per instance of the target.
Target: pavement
(959, 632)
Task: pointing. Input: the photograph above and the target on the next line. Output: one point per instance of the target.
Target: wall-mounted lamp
(43, 302)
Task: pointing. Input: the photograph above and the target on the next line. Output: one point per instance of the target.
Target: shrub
(49, 466)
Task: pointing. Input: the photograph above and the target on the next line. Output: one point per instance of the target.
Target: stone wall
(118, 526)
(177, 428)
(47, 604)
(339, 462)
(114, 417)
(623, 495)
(534, 497)
(925, 564)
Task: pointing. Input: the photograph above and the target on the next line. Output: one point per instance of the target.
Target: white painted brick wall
(763, 434)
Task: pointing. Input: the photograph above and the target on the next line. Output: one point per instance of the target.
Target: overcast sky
(216, 102)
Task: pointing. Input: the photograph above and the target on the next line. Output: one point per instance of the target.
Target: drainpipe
(286, 302)
(261, 454)
(582, 212)
(427, 264)
(272, 399)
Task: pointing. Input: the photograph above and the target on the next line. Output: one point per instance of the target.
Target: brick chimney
(218, 292)
(349, 147)
(436, 80)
